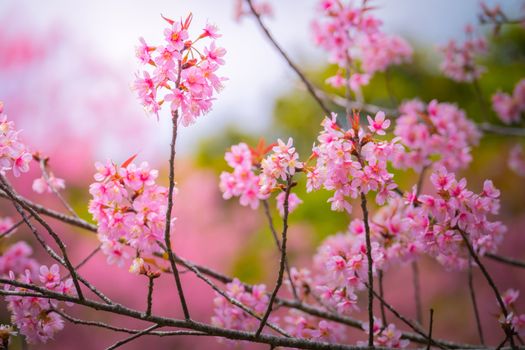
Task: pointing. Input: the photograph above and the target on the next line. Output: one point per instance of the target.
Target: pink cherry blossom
(350, 33)
(460, 59)
(129, 208)
(232, 317)
(379, 124)
(438, 133)
(517, 160)
(181, 74)
(14, 155)
(32, 315)
(41, 185)
(510, 109)
(338, 169)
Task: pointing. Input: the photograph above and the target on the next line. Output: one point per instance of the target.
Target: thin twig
(474, 302)
(382, 294)
(167, 230)
(11, 229)
(151, 280)
(490, 281)
(134, 336)
(85, 260)
(408, 322)
(43, 168)
(309, 86)
(278, 244)
(430, 329)
(506, 260)
(282, 263)
(481, 99)
(370, 261)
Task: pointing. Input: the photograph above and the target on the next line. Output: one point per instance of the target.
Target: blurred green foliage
(297, 115)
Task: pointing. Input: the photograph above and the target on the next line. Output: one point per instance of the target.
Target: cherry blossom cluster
(302, 325)
(14, 155)
(32, 315)
(341, 267)
(437, 133)
(182, 75)
(388, 336)
(17, 259)
(515, 321)
(351, 162)
(459, 62)
(229, 316)
(517, 160)
(455, 208)
(352, 36)
(297, 323)
(510, 108)
(129, 207)
(255, 176)
(395, 228)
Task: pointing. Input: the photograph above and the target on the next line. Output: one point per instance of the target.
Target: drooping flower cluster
(129, 207)
(341, 267)
(438, 133)
(32, 315)
(510, 108)
(353, 38)
(229, 316)
(14, 155)
(460, 59)
(183, 75)
(517, 160)
(351, 162)
(456, 208)
(394, 227)
(254, 179)
(515, 321)
(388, 336)
(41, 185)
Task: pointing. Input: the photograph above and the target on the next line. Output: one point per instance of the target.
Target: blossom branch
(289, 185)
(506, 260)
(151, 280)
(309, 86)
(11, 229)
(406, 321)
(474, 302)
(430, 329)
(135, 336)
(167, 233)
(309, 309)
(490, 281)
(278, 244)
(4, 185)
